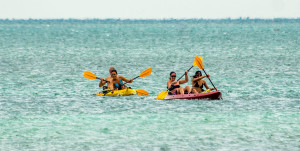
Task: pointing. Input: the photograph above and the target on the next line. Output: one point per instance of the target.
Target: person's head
(172, 76)
(114, 74)
(197, 74)
(111, 68)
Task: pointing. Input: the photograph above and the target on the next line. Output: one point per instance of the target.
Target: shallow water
(47, 104)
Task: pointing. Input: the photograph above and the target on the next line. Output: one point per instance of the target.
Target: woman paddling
(118, 80)
(198, 83)
(174, 86)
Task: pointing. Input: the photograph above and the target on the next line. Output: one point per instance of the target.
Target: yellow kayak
(124, 92)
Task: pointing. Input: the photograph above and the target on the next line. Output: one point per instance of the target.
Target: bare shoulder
(121, 77)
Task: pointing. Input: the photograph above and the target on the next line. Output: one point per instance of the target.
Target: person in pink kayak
(174, 86)
(198, 83)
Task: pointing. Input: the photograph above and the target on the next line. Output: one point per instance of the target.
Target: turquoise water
(47, 104)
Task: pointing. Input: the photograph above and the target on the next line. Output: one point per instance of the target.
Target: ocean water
(47, 104)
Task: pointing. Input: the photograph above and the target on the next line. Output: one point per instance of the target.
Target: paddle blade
(194, 63)
(146, 72)
(199, 62)
(162, 95)
(141, 92)
(89, 75)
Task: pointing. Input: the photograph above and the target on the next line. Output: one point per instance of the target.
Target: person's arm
(169, 84)
(199, 78)
(205, 84)
(186, 78)
(126, 80)
(102, 82)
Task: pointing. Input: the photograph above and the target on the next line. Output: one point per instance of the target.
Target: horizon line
(158, 19)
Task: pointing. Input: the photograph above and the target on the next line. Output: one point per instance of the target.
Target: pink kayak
(214, 95)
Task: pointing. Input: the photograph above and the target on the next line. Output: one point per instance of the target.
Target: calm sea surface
(47, 104)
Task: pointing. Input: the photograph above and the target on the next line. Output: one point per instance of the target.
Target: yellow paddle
(195, 63)
(145, 73)
(163, 94)
(90, 75)
(141, 92)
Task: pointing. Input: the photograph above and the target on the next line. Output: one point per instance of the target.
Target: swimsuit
(116, 85)
(172, 87)
(198, 86)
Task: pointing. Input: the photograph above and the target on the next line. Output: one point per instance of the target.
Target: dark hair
(172, 72)
(114, 71)
(195, 76)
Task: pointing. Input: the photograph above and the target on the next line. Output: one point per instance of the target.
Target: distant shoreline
(155, 20)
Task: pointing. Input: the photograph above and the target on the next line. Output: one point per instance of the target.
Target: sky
(148, 9)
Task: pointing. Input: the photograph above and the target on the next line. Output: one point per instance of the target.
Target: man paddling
(108, 80)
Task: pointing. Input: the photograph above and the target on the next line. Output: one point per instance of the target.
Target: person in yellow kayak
(108, 80)
(198, 83)
(117, 81)
(174, 86)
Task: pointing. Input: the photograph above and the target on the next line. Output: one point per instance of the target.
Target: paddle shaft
(132, 79)
(143, 74)
(135, 77)
(208, 77)
(184, 73)
(103, 79)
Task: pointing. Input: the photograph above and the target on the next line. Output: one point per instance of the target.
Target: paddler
(117, 81)
(174, 86)
(108, 80)
(198, 83)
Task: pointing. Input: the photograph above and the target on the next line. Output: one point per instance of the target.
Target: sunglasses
(173, 76)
